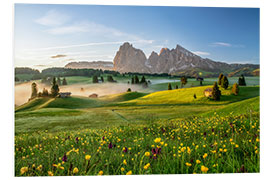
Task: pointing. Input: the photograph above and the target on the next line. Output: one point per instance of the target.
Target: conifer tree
(64, 81)
(95, 79)
(137, 81)
(220, 78)
(224, 82)
(143, 80)
(169, 86)
(242, 81)
(34, 90)
(216, 93)
(54, 88)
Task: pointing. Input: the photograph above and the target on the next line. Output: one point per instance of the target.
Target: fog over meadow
(23, 90)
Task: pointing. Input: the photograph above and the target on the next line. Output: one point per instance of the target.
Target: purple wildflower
(64, 158)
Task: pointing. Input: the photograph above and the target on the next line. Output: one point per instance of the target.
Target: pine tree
(176, 86)
(54, 88)
(64, 82)
(137, 81)
(132, 80)
(34, 90)
(224, 82)
(216, 93)
(235, 89)
(95, 79)
(143, 80)
(102, 79)
(242, 81)
(169, 86)
(220, 78)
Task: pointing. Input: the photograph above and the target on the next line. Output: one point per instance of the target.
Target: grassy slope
(186, 96)
(78, 112)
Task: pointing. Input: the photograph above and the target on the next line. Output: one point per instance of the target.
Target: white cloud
(223, 44)
(201, 53)
(69, 29)
(89, 44)
(53, 18)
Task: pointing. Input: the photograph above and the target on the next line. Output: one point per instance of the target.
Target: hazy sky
(91, 33)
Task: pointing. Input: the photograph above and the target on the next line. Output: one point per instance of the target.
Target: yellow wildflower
(205, 155)
(146, 166)
(50, 173)
(87, 157)
(125, 162)
(100, 173)
(147, 154)
(24, 170)
(122, 169)
(129, 173)
(157, 140)
(198, 161)
(204, 169)
(188, 164)
(75, 170)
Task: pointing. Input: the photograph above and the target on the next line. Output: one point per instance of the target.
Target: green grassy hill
(186, 96)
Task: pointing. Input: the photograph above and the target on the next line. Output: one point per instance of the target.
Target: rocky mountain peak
(126, 45)
(175, 61)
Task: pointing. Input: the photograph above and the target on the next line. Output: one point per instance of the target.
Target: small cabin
(208, 92)
(93, 96)
(64, 94)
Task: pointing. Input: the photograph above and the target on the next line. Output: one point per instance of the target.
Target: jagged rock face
(129, 59)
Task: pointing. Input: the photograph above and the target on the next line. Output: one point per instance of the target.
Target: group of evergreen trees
(223, 81)
(135, 80)
(54, 90)
(183, 80)
(49, 81)
(96, 79)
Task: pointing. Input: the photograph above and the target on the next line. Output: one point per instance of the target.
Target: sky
(54, 35)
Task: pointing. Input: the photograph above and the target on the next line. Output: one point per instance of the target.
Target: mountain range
(177, 61)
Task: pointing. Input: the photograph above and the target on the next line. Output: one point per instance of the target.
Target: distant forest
(35, 74)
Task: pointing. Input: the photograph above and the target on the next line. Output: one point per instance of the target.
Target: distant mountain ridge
(104, 65)
(177, 61)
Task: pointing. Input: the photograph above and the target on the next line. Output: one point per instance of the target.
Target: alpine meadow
(93, 96)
